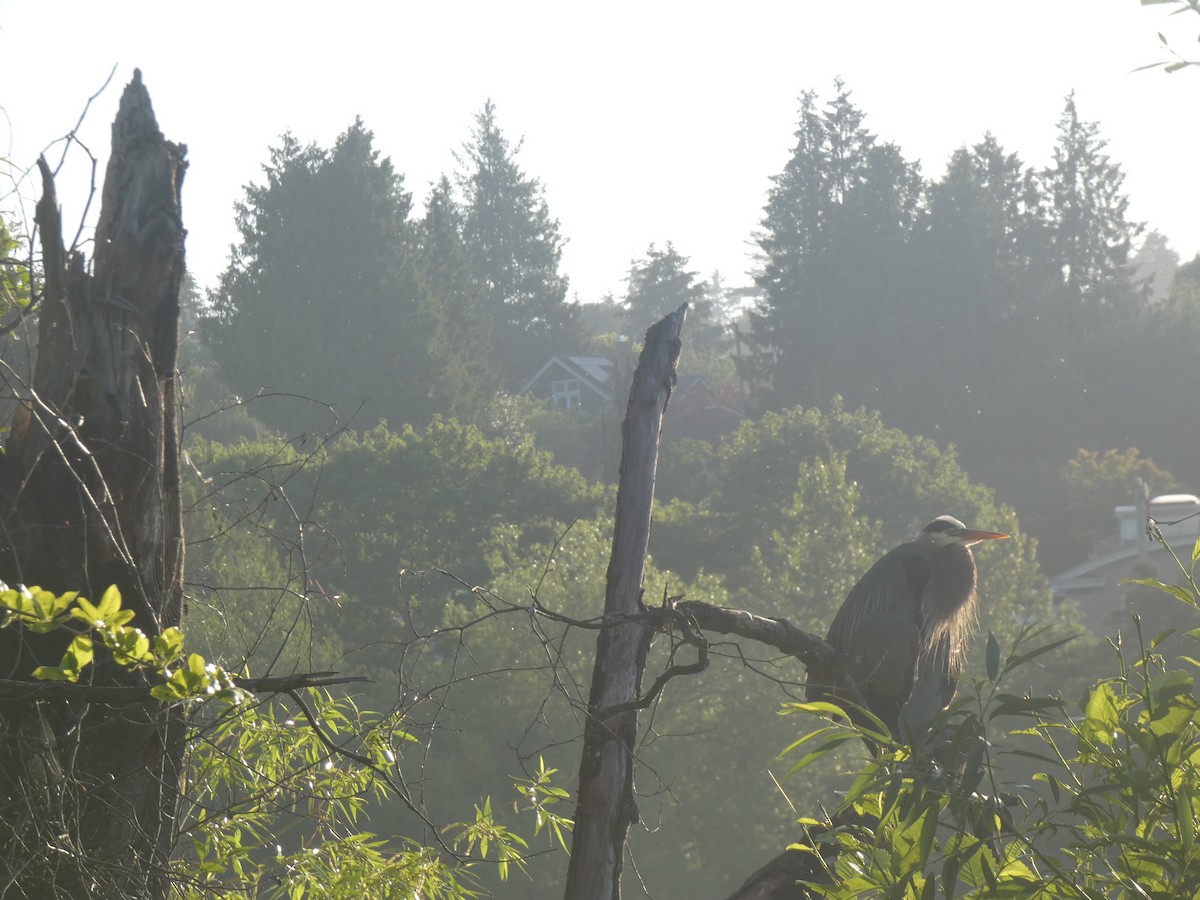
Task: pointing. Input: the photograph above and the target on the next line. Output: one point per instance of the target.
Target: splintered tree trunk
(89, 497)
(607, 807)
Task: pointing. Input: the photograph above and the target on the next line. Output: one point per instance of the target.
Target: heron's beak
(970, 536)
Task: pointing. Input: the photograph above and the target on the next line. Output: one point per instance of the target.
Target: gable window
(565, 393)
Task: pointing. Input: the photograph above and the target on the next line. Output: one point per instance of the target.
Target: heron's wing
(883, 671)
(933, 687)
(891, 587)
(879, 627)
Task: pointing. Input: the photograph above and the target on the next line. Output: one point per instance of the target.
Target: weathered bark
(606, 807)
(89, 497)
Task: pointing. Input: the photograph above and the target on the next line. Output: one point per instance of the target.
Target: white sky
(645, 121)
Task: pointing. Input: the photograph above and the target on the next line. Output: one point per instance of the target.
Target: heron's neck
(959, 570)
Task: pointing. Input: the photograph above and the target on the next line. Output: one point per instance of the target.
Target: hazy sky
(646, 121)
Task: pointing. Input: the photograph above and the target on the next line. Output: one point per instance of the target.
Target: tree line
(1001, 307)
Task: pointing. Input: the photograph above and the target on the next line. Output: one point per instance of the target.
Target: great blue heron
(905, 626)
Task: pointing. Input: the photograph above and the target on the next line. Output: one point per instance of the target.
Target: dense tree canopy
(323, 297)
(995, 306)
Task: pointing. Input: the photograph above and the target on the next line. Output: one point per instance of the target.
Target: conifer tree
(835, 273)
(515, 250)
(657, 284)
(1087, 212)
(463, 328)
(322, 296)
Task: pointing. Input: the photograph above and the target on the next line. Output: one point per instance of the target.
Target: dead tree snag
(607, 807)
(90, 497)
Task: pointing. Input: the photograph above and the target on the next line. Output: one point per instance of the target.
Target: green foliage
(688, 471)
(589, 444)
(208, 406)
(521, 680)
(994, 305)
(250, 602)
(271, 805)
(418, 498)
(390, 504)
(821, 495)
(271, 812)
(15, 281)
(173, 676)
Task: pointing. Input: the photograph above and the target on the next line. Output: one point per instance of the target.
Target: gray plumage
(905, 626)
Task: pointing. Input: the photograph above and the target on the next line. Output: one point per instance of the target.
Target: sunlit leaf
(1100, 722)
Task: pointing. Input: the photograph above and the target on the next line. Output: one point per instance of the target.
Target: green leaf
(928, 831)
(79, 654)
(1100, 715)
(165, 692)
(130, 646)
(1180, 593)
(1170, 691)
(110, 603)
(1040, 757)
(1017, 659)
(950, 874)
(168, 645)
(1185, 820)
(51, 673)
(818, 706)
(812, 735)
(85, 612)
(38, 610)
(992, 657)
(835, 740)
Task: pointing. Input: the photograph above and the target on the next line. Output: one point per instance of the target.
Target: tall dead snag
(607, 807)
(89, 497)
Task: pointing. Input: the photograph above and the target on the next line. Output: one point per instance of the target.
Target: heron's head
(946, 530)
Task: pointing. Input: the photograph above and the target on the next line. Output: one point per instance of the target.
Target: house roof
(594, 371)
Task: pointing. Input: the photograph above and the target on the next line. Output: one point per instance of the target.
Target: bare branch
(19, 689)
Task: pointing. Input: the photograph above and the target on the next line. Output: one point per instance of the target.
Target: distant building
(574, 382)
(1096, 584)
(594, 384)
